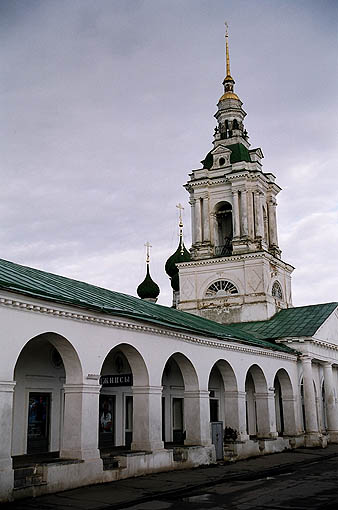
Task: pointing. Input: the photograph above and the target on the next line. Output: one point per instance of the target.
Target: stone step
(28, 477)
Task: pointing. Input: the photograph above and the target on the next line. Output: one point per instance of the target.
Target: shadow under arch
(68, 353)
(46, 364)
(185, 413)
(223, 399)
(284, 403)
(257, 404)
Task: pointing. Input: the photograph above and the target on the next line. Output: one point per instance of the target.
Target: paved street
(296, 480)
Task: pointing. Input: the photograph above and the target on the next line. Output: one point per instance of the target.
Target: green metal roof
(59, 289)
(238, 153)
(290, 322)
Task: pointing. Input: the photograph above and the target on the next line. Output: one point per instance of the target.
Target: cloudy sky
(107, 105)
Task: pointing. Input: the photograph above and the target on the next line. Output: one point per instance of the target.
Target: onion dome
(148, 289)
(180, 255)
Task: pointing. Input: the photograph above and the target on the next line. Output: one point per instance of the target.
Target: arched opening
(179, 382)
(224, 229)
(122, 371)
(223, 394)
(284, 404)
(257, 409)
(44, 365)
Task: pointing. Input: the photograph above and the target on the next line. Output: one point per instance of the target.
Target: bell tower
(236, 273)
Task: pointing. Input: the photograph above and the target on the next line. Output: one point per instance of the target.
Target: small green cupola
(180, 255)
(148, 289)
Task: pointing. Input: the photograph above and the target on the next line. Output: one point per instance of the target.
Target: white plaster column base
(333, 436)
(312, 439)
(80, 436)
(147, 424)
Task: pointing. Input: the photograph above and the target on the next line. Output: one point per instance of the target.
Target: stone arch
(135, 360)
(260, 421)
(123, 398)
(185, 409)
(224, 402)
(284, 403)
(45, 364)
(223, 228)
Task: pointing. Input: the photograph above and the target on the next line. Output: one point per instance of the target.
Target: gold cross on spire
(181, 208)
(148, 246)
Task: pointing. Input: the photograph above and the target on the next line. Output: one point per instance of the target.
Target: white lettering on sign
(117, 380)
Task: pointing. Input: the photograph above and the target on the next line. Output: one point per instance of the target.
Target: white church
(96, 386)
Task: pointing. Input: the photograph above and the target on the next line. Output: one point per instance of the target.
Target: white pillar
(259, 220)
(244, 213)
(206, 223)
(147, 418)
(193, 229)
(81, 415)
(272, 222)
(197, 418)
(330, 402)
(310, 406)
(289, 414)
(235, 413)
(197, 221)
(251, 225)
(6, 413)
(235, 215)
(266, 416)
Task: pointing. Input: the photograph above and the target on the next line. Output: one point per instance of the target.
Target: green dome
(148, 289)
(170, 266)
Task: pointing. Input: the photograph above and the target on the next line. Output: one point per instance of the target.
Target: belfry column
(311, 423)
(197, 221)
(206, 223)
(272, 204)
(236, 220)
(244, 213)
(259, 220)
(330, 401)
(193, 227)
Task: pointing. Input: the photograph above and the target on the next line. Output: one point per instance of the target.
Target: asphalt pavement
(154, 487)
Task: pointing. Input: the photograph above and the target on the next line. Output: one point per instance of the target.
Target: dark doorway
(38, 423)
(178, 434)
(107, 421)
(129, 422)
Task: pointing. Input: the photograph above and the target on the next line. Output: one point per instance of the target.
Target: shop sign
(108, 381)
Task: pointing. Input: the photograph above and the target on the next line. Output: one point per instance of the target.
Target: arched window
(223, 234)
(277, 291)
(221, 288)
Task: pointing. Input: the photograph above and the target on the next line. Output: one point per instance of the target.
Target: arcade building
(96, 386)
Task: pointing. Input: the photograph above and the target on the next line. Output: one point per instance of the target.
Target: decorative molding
(120, 324)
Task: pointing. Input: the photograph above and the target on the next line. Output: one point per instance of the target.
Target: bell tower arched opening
(224, 230)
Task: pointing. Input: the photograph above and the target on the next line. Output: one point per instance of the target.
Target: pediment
(328, 331)
(220, 149)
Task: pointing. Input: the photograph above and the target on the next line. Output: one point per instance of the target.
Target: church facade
(97, 386)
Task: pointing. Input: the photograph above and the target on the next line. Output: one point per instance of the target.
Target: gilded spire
(228, 74)
(148, 246)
